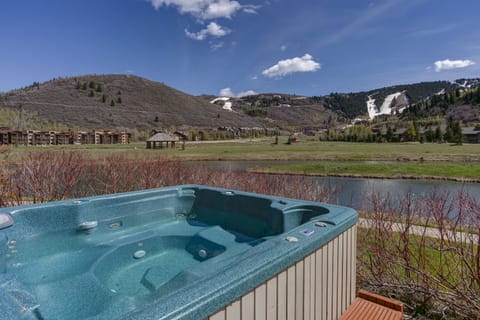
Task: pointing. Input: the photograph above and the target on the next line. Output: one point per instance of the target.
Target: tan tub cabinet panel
(282, 296)
(321, 286)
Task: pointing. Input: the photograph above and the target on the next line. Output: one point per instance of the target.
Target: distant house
(39, 137)
(15, 137)
(181, 135)
(61, 138)
(111, 137)
(85, 137)
(310, 130)
(159, 139)
(42, 138)
(400, 134)
(471, 134)
(4, 136)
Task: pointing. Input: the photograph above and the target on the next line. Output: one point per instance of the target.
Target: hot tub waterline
(214, 241)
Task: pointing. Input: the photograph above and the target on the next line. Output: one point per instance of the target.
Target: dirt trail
(427, 231)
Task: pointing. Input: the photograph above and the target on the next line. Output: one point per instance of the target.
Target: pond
(353, 190)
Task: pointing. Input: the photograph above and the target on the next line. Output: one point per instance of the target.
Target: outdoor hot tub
(184, 252)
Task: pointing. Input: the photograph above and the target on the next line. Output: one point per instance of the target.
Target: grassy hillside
(284, 110)
(117, 101)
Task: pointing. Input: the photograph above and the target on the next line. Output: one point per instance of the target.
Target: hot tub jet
(87, 225)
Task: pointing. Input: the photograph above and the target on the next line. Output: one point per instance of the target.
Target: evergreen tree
(448, 136)
(430, 135)
(119, 99)
(412, 133)
(104, 98)
(383, 129)
(457, 133)
(389, 134)
(457, 93)
(438, 134)
(112, 103)
(421, 138)
(449, 98)
(204, 136)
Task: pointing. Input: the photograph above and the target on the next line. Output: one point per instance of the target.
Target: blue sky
(304, 47)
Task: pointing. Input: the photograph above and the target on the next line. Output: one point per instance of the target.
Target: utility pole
(20, 109)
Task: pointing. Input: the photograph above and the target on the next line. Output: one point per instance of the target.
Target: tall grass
(437, 276)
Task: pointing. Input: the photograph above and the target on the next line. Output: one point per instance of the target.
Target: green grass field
(330, 151)
(335, 158)
(470, 171)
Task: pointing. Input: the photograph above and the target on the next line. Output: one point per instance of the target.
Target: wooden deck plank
(370, 306)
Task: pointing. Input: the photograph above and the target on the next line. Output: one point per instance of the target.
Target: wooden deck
(370, 306)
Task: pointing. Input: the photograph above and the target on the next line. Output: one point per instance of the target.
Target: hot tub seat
(165, 260)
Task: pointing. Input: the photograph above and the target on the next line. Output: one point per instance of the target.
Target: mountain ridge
(130, 102)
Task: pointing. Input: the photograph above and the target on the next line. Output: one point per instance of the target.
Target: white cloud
(246, 93)
(249, 8)
(288, 66)
(448, 64)
(221, 9)
(216, 46)
(206, 9)
(283, 47)
(227, 92)
(212, 29)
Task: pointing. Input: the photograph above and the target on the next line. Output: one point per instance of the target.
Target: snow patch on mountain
(227, 104)
(371, 107)
(385, 108)
(467, 84)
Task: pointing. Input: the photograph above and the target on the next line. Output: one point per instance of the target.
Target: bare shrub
(8, 193)
(48, 176)
(423, 250)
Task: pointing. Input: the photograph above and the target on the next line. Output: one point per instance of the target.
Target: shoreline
(363, 176)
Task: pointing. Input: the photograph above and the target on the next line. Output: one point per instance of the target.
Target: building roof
(470, 131)
(162, 137)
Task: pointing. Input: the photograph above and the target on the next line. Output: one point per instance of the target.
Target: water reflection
(355, 190)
